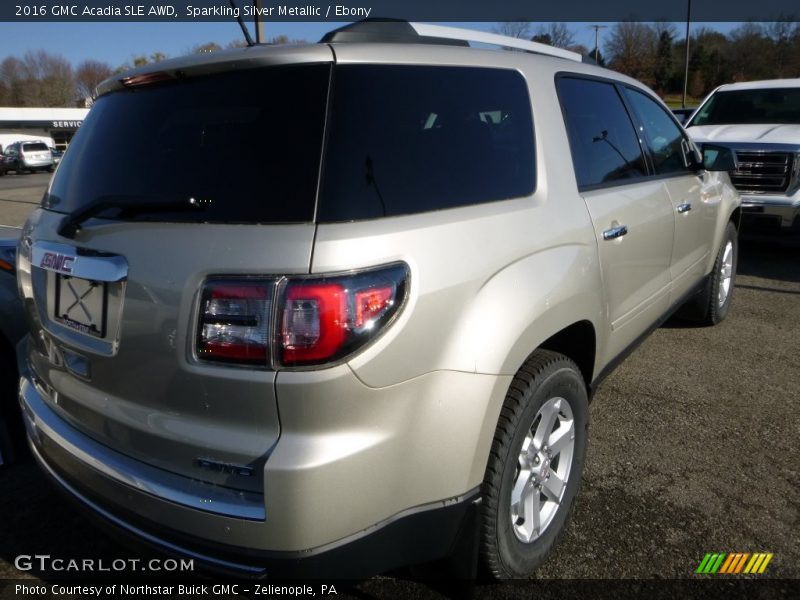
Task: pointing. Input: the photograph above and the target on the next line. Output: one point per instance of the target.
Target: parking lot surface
(693, 448)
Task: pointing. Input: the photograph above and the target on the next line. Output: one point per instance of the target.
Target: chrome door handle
(615, 232)
(684, 208)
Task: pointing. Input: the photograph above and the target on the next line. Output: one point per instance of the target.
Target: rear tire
(535, 465)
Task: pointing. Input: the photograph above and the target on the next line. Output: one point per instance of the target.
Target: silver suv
(372, 337)
(29, 156)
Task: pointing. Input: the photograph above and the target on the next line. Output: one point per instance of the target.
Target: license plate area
(81, 304)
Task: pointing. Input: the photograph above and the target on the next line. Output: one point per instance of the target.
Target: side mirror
(718, 158)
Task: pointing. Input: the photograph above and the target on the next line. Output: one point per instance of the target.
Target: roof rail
(484, 37)
(403, 32)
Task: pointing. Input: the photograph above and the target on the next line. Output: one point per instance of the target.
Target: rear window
(776, 105)
(246, 144)
(34, 147)
(408, 139)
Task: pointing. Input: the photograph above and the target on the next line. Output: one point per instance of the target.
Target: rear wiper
(71, 224)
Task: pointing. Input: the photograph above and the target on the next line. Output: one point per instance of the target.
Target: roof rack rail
(403, 32)
(484, 37)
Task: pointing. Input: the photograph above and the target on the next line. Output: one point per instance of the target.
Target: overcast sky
(118, 43)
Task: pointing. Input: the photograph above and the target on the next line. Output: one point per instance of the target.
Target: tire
(712, 304)
(549, 388)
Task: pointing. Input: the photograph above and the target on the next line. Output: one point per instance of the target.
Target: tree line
(651, 53)
(655, 53)
(41, 79)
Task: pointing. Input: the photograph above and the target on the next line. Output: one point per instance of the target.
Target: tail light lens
(317, 320)
(234, 322)
(325, 319)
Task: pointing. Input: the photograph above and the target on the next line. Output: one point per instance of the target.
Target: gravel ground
(693, 449)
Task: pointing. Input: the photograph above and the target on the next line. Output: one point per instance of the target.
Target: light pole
(686, 64)
(259, 4)
(597, 29)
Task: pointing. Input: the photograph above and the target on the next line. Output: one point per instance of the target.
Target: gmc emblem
(57, 262)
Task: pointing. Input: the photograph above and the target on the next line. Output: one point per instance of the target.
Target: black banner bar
(411, 10)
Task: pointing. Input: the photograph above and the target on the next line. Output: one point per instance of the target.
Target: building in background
(55, 126)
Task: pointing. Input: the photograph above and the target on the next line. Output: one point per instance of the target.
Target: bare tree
(12, 81)
(88, 75)
(555, 34)
(784, 35)
(632, 48)
(516, 29)
(751, 51)
(46, 80)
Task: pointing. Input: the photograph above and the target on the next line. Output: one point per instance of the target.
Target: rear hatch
(175, 179)
(35, 152)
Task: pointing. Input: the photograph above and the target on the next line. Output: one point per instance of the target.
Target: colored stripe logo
(734, 563)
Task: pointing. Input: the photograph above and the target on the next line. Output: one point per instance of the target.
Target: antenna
(246, 33)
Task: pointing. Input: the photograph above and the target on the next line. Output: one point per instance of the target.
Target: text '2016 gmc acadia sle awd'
(345, 303)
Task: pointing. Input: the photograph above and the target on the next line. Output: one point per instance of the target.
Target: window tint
(247, 144)
(605, 148)
(407, 139)
(663, 137)
(34, 147)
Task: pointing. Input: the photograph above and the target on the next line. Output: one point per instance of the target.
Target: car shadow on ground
(771, 260)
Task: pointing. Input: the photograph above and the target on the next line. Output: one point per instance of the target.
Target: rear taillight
(317, 320)
(234, 321)
(324, 319)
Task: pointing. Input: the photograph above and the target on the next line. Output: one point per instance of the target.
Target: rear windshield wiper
(71, 224)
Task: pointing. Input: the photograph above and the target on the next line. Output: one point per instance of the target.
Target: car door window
(667, 144)
(603, 140)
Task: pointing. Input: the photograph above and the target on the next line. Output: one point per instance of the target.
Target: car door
(13, 156)
(691, 194)
(630, 210)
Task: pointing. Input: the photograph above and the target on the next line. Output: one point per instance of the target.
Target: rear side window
(34, 147)
(246, 144)
(662, 134)
(409, 139)
(605, 147)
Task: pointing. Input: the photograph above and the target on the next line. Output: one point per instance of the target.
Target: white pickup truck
(760, 122)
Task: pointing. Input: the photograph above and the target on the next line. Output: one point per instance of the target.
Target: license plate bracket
(82, 304)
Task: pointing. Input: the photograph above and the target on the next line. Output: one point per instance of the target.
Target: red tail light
(328, 318)
(317, 320)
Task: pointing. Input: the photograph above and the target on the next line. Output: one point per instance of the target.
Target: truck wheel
(535, 465)
(711, 305)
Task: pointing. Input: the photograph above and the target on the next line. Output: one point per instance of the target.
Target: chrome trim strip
(94, 268)
(156, 541)
(42, 422)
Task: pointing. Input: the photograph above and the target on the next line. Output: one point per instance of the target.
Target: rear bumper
(39, 163)
(229, 530)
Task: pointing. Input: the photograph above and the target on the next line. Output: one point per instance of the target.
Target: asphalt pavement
(19, 195)
(693, 449)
